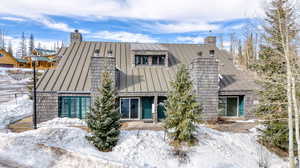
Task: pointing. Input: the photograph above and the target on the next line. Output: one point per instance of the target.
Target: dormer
(149, 55)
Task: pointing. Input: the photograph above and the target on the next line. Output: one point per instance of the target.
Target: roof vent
(109, 53)
(199, 53)
(97, 53)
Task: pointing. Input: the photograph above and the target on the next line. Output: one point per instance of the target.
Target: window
(1, 55)
(145, 60)
(74, 106)
(211, 52)
(141, 60)
(231, 106)
(138, 60)
(154, 59)
(97, 53)
(162, 60)
(129, 108)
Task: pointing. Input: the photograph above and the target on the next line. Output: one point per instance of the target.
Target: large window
(129, 108)
(74, 106)
(231, 106)
(144, 59)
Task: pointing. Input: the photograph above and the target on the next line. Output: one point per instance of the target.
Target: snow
(15, 110)
(65, 146)
(58, 144)
(58, 122)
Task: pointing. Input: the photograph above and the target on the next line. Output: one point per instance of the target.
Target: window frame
(71, 102)
(212, 52)
(160, 58)
(226, 104)
(129, 114)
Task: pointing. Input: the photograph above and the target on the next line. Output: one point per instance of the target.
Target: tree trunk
(290, 121)
(296, 117)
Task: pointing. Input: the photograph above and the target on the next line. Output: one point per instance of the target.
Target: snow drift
(15, 110)
(67, 147)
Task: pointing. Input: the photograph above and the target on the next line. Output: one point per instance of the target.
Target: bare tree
(286, 37)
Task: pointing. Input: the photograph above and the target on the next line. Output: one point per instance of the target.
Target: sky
(165, 21)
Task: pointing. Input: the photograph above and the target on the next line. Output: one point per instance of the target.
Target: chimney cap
(210, 40)
(76, 31)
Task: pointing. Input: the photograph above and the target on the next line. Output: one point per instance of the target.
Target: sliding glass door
(231, 106)
(129, 108)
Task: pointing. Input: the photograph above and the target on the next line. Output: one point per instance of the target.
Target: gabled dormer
(149, 55)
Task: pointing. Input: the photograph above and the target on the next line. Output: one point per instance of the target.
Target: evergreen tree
(22, 50)
(31, 44)
(9, 49)
(182, 109)
(104, 118)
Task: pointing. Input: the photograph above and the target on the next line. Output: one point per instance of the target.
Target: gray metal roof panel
(147, 47)
(72, 73)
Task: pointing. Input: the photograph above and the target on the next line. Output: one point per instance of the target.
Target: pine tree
(9, 49)
(104, 118)
(22, 50)
(31, 44)
(182, 109)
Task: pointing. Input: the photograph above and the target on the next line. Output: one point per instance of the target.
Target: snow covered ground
(14, 100)
(15, 110)
(56, 145)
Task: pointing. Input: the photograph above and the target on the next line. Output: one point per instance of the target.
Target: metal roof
(72, 73)
(21, 60)
(147, 47)
(45, 51)
(41, 58)
(234, 79)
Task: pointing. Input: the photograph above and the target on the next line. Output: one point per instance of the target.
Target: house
(44, 60)
(142, 73)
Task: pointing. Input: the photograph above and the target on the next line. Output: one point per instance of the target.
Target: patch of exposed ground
(21, 125)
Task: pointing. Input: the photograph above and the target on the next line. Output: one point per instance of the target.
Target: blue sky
(167, 21)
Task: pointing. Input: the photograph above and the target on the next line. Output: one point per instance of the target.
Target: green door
(241, 105)
(161, 108)
(147, 107)
(232, 106)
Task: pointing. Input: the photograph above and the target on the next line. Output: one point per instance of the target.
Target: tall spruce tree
(31, 44)
(273, 72)
(9, 48)
(104, 118)
(182, 109)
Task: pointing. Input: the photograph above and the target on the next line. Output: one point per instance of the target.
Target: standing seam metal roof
(72, 73)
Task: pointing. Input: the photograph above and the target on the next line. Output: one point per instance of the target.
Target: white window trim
(139, 108)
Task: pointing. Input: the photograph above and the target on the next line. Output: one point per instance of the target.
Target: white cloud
(57, 25)
(16, 19)
(184, 12)
(123, 37)
(238, 26)
(183, 27)
(189, 39)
